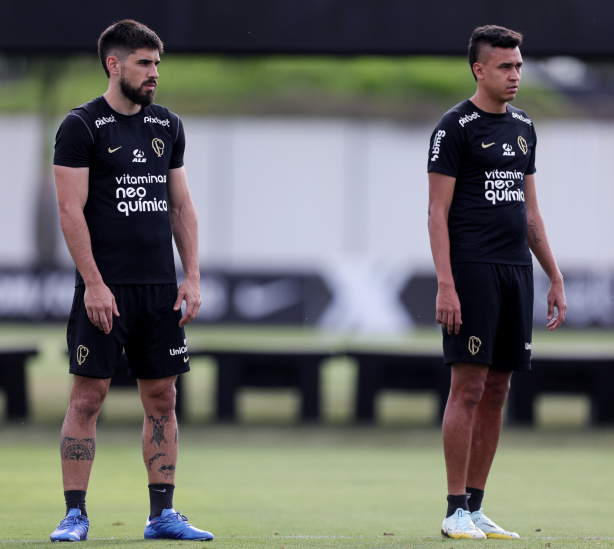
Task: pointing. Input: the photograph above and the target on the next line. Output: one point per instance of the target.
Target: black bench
(395, 371)
(13, 381)
(286, 369)
(591, 376)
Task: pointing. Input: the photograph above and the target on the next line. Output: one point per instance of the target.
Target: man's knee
(496, 390)
(468, 394)
(158, 394)
(86, 400)
(468, 384)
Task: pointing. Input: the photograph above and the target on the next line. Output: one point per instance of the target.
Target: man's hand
(448, 308)
(189, 291)
(100, 306)
(556, 299)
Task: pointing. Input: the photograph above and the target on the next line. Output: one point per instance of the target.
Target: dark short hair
(494, 36)
(125, 37)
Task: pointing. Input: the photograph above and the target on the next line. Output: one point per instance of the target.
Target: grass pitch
(268, 483)
(299, 487)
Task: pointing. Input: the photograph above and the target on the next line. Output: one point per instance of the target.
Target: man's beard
(135, 95)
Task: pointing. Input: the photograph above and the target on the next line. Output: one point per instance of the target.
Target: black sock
(75, 499)
(475, 499)
(454, 502)
(160, 498)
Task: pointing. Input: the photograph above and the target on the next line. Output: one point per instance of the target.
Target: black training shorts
(497, 314)
(147, 329)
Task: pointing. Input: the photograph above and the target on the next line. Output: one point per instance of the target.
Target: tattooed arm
(538, 242)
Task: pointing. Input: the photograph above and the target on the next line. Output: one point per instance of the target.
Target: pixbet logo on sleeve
(522, 118)
(468, 118)
(104, 120)
(156, 120)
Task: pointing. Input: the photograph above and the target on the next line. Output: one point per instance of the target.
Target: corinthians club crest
(474, 345)
(158, 146)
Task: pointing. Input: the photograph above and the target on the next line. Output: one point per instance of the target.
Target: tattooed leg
(78, 440)
(159, 429)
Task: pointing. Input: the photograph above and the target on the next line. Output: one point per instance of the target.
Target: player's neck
(120, 103)
(488, 105)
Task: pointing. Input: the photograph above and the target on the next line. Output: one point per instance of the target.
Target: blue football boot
(174, 525)
(73, 527)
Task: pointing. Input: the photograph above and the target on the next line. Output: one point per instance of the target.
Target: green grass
(268, 482)
(413, 89)
(316, 487)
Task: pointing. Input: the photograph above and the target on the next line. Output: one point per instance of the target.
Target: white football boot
(460, 526)
(492, 530)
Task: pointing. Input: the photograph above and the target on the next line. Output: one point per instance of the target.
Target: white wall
(312, 191)
(21, 144)
(309, 192)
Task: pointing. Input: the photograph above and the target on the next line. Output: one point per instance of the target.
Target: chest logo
(139, 156)
(486, 145)
(522, 143)
(158, 146)
(111, 151)
(508, 150)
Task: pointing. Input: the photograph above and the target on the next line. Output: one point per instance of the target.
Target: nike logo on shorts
(111, 151)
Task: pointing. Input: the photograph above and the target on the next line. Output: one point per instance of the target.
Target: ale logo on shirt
(522, 143)
(474, 345)
(139, 156)
(508, 150)
(158, 146)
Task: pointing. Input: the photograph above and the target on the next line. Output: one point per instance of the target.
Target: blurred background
(307, 127)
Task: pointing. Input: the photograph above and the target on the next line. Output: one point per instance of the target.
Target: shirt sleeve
(178, 147)
(531, 169)
(446, 146)
(73, 143)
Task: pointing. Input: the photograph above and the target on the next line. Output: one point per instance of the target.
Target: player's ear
(478, 70)
(113, 65)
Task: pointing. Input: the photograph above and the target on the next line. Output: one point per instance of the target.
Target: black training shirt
(127, 206)
(489, 155)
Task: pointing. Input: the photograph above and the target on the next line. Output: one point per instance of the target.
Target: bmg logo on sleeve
(437, 144)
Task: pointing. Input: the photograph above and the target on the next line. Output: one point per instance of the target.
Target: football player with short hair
(123, 198)
(484, 221)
